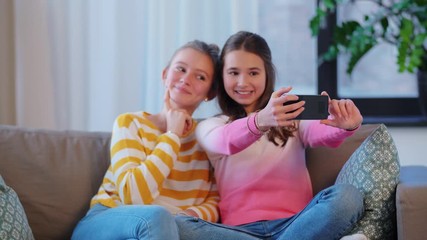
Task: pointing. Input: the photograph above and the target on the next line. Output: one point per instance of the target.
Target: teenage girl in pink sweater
(258, 154)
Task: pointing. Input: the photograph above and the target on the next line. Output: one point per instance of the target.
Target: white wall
(411, 143)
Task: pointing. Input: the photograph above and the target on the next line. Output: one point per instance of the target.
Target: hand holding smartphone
(316, 106)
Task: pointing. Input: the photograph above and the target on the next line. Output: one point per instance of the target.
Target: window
(380, 92)
(284, 25)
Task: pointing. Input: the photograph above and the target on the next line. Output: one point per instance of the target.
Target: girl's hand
(345, 114)
(276, 113)
(178, 121)
(187, 212)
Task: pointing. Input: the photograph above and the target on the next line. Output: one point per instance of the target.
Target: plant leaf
(419, 39)
(316, 21)
(356, 39)
(401, 5)
(331, 54)
(401, 55)
(358, 52)
(404, 49)
(406, 29)
(421, 2)
(344, 33)
(384, 25)
(329, 4)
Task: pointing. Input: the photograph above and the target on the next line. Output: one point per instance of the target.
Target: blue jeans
(127, 222)
(330, 215)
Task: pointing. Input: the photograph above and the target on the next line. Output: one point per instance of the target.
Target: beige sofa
(55, 174)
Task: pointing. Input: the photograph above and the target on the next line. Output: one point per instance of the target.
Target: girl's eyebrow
(250, 69)
(254, 68)
(180, 62)
(232, 68)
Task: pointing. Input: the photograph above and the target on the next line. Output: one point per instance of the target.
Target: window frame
(394, 111)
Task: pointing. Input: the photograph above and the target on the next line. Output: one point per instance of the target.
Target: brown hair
(253, 43)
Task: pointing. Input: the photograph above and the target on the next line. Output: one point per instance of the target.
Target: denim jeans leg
(148, 222)
(191, 228)
(330, 215)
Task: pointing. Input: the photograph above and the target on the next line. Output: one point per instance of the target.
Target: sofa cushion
(325, 163)
(13, 221)
(54, 173)
(374, 169)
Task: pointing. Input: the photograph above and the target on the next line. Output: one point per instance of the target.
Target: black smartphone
(316, 106)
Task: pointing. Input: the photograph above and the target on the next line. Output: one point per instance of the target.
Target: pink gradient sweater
(256, 179)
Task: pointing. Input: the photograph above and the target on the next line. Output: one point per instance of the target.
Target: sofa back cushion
(324, 163)
(54, 173)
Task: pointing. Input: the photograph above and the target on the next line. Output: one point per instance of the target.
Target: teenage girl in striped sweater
(157, 169)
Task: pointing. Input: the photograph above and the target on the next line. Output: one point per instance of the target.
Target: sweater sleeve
(217, 136)
(315, 134)
(137, 171)
(208, 210)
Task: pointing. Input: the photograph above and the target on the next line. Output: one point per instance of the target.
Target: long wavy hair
(253, 43)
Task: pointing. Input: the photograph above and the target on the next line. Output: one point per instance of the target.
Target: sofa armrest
(411, 203)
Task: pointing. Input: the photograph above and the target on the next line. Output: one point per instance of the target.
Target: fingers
(324, 93)
(341, 108)
(292, 107)
(188, 123)
(282, 97)
(344, 114)
(178, 121)
(281, 91)
(282, 109)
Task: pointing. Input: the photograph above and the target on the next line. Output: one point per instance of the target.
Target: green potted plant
(401, 23)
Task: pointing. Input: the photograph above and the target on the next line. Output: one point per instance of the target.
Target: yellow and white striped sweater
(150, 167)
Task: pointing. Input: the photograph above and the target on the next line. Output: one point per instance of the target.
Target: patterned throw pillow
(374, 169)
(13, 221)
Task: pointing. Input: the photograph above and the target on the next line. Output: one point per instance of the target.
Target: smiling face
(244, 78)
(189, 78)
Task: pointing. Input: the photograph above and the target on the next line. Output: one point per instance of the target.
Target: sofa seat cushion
(374, 169)
(13, 221)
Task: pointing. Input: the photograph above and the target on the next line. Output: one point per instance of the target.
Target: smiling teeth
(246, 92)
